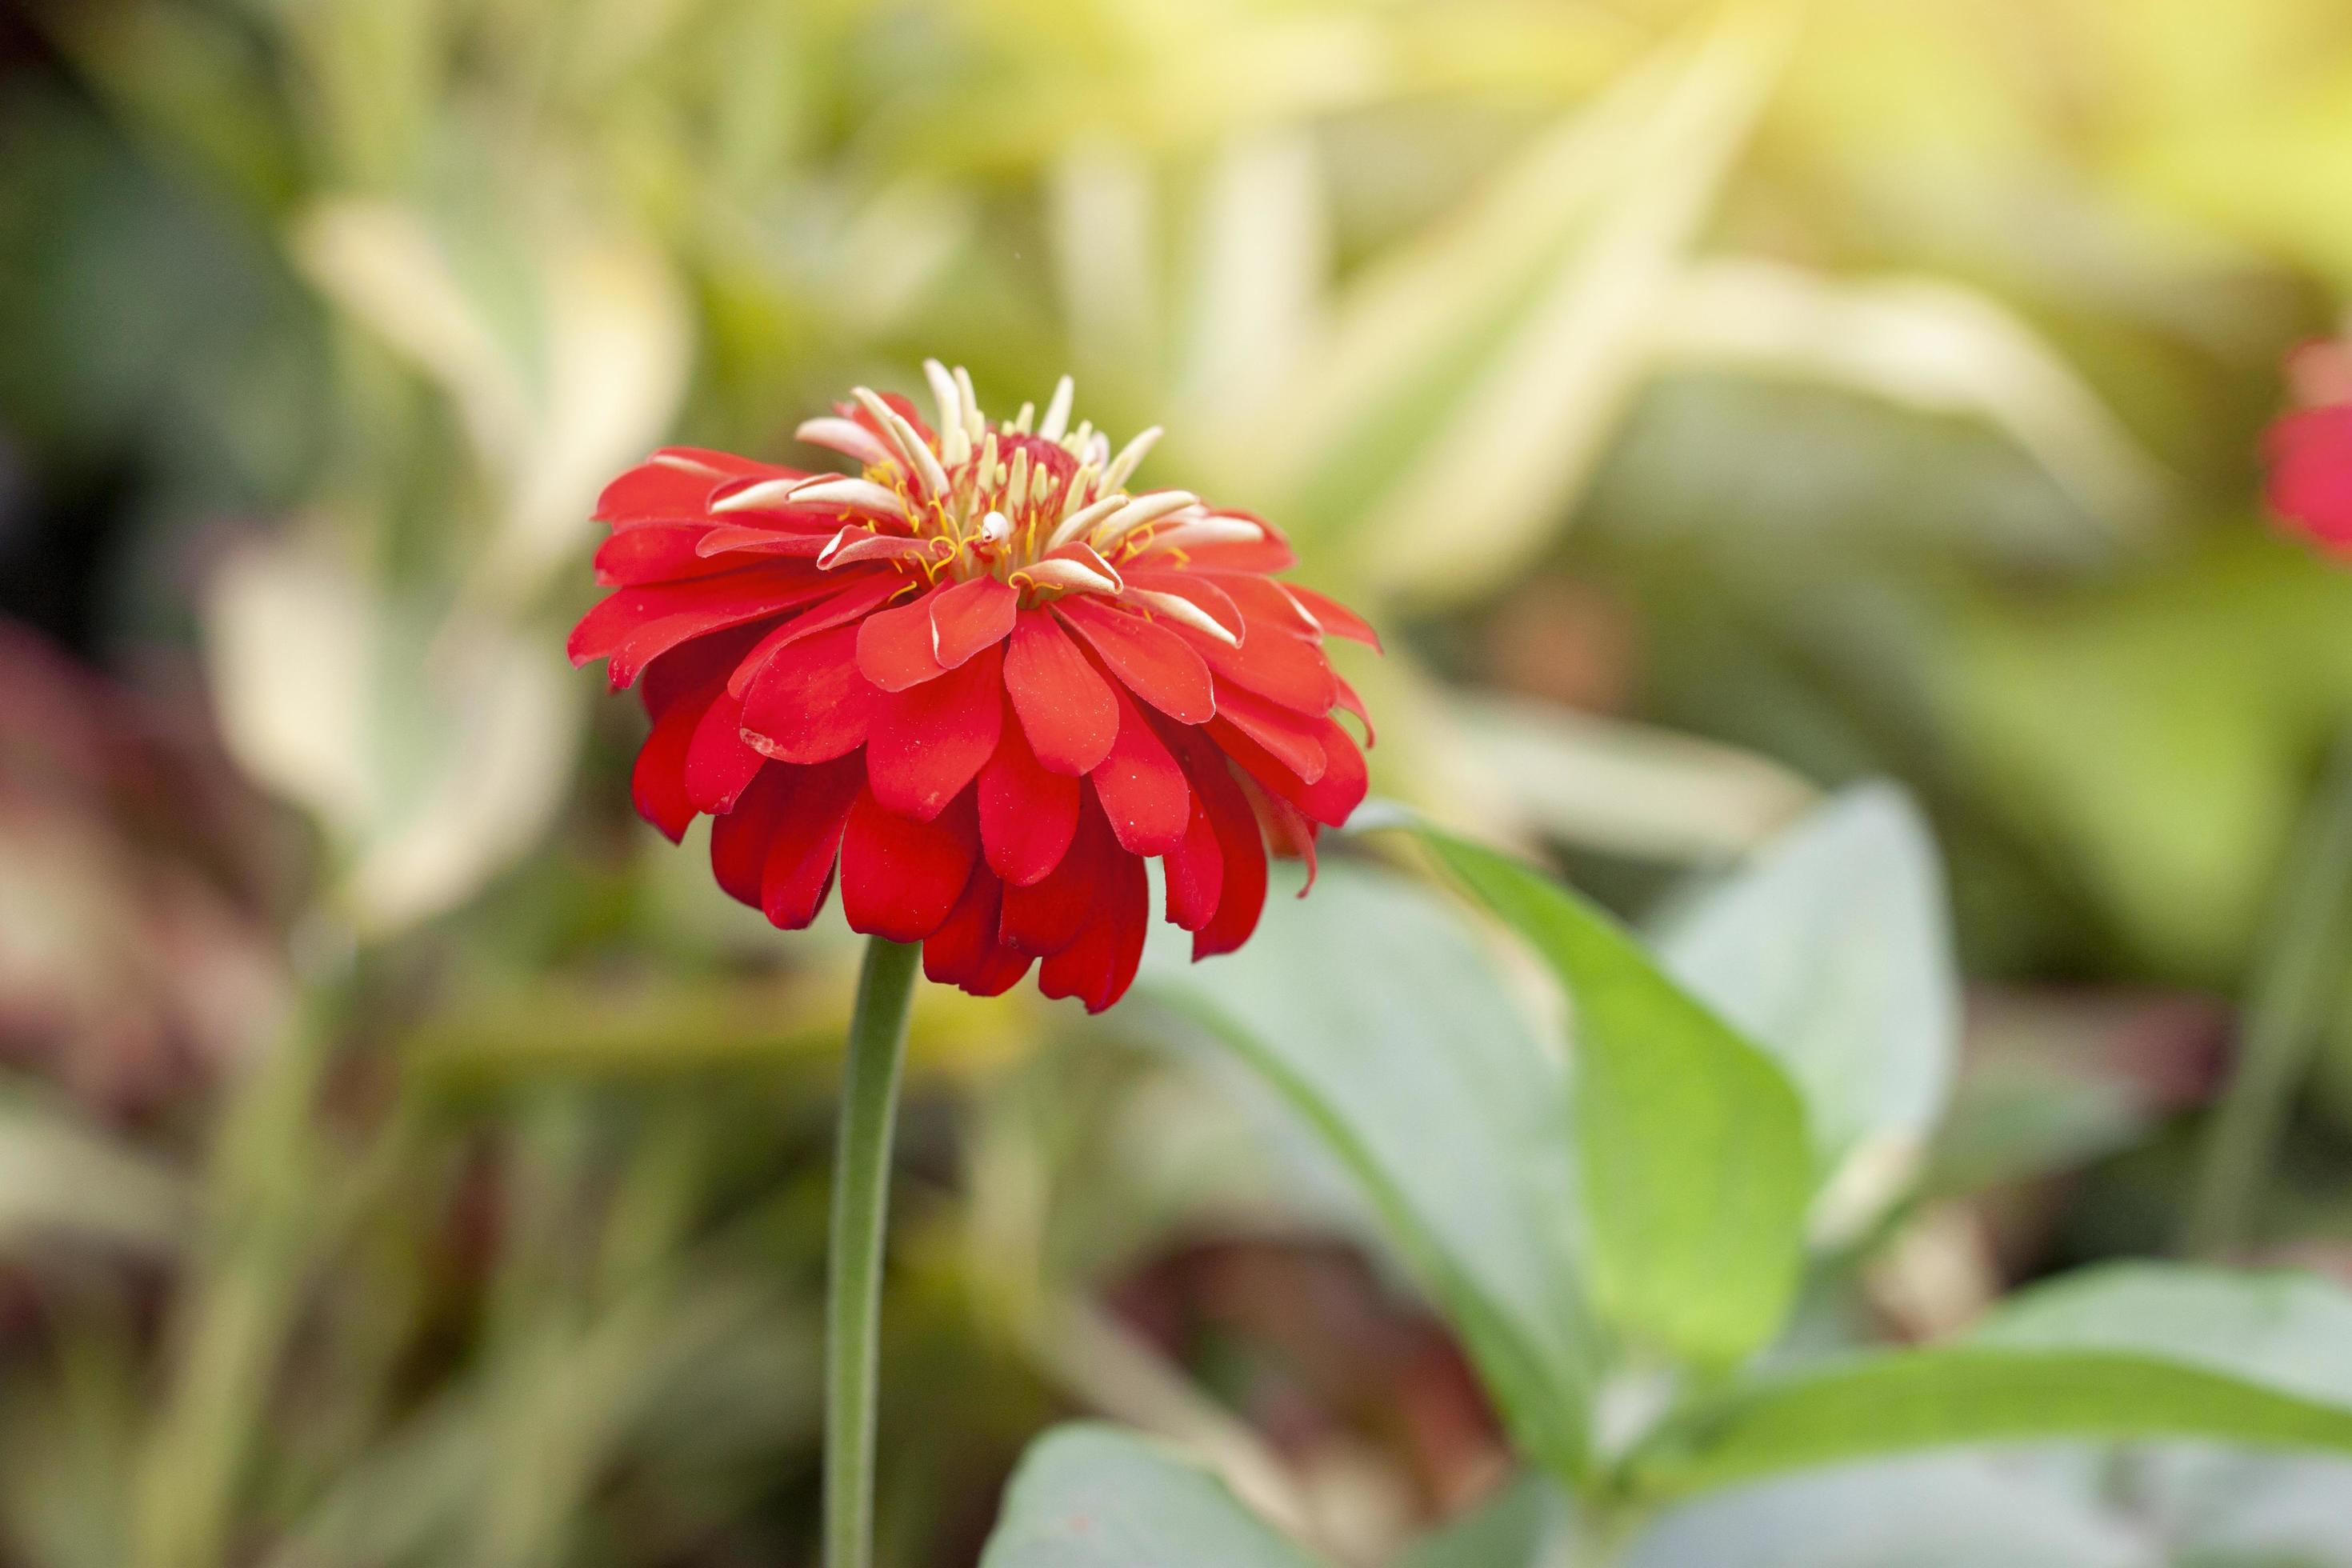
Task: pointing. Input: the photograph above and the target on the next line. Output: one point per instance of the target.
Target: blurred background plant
(406, 1158)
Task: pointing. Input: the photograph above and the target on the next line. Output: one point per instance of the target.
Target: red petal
(901, 878)
(895, 648)
(739, 840)
(1334, 793)
(2311, 471)
(1195, 872)
(809, 704)
(696, 669)
(1027, 812)
(636, 626)
(1141, 789)
(656, 551)
(854, 601)
(1154, 662)
(1274, 663)
(1066, 707)
(1241, 886)
(1100, 964)
(1044, 916)
(1264, 599)
(1272, 553)
(807, 842)
(1212, 600)
(718, 763)
(1336, 619)
(970, 616)
(1351, 703)
(927, 742)
(657, 782)
(1293, 739)
(1288, 834)
(965, 952)
(676, 484)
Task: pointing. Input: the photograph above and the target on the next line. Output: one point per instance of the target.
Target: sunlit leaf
(1691, 1143)
(1372, 1013)
(2128, 1351)
(1831, 950)
(1094, 1496)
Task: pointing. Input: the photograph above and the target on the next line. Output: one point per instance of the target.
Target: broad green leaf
(1374, 1013)
(2131, 1351)
(1695, 1165)
(1091, 1496)
(1528, 1524)
(1831, 950)
(1945, 1510)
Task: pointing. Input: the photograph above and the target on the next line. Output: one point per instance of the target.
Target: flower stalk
(861, 1200)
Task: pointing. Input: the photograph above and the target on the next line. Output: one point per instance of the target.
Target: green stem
(2298, 975)
(861, 1197)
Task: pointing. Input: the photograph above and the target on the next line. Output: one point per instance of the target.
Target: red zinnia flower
(2310, 451)
(982, 679)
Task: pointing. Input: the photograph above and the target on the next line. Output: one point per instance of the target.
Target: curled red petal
(633, 626)
(1289, 833)
(1263, 599)
(653, 553)
(675, 483)
(927, 742)
(739, 840)
(1142, 791)
(1098, 966)
(897, 648)
(966, 951)
(718, 763)
(805, 843)
(1195, 871)
(1334, 618)
(1349, 702)
(869, 593)
(1248, 722)
(970, 616)
(1330, 796)
(1152, 661)
(1278, 665)
(1208, 597)
(1066, 707)
(657, 782)
(901, 878)
(809, 703)
(1044, 916)
(1241, 884)
(1027, 812)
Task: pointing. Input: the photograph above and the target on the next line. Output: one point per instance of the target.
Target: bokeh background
(406, 1157)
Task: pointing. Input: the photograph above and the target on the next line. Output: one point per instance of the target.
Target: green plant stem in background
(861, 1198)
(2296, 978)
(243, 1289)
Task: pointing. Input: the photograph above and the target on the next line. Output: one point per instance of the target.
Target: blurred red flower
(983, 679)
(2310, 451)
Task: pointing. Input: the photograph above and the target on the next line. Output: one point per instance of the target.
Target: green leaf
(1374, 1013)
(1945, 1510)
(1831, 950)
(1091, 1496)
(2130, 1350)
(1693, 1145)
(1529, 1522)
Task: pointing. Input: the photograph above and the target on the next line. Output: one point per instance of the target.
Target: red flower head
(2310, 451)
(983, 678)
